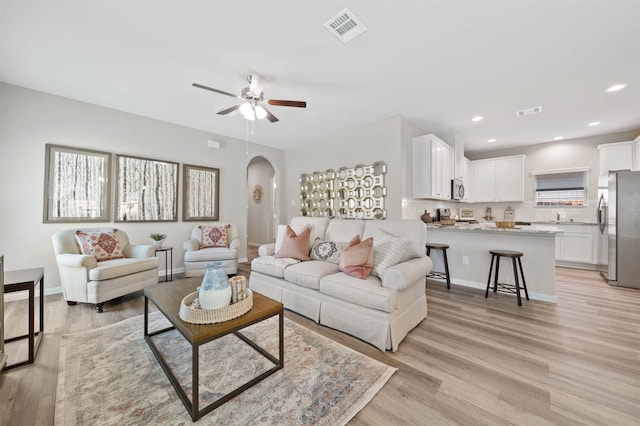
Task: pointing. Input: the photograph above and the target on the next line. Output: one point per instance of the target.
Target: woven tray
(212, 316)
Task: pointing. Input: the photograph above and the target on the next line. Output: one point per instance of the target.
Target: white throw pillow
(388, 250)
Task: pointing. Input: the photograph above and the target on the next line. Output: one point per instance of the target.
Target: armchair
(99, 264)
(211, 242)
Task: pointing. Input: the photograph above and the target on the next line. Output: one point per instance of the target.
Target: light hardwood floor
(473, 361)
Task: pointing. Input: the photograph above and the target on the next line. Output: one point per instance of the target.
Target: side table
(168, 266)
(27, 280)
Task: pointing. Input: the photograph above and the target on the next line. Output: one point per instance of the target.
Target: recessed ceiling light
(558, 138)
(491, 140)
(616, 87)
(594, 123)
(476, 119)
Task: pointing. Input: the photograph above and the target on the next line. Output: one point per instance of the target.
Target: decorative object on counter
(239, 290)
(215, 291)
(467, 214)
(158, 239)
(487, 214)
(350, 193)
(426, 217)
(447, 222)
(505, 224)
(509, 214)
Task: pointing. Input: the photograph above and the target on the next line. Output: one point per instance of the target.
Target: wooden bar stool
(502, 287)
(440, 275)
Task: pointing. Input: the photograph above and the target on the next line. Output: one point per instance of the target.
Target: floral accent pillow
(328, 251)
(215, 236)
(357, 258)
(101, 245)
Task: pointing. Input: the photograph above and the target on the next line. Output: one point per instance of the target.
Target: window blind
(561, 189)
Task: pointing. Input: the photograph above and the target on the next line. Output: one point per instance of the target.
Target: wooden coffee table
(167, 297)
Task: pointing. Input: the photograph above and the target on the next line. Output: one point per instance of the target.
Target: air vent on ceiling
(528, 111)
(345, 26)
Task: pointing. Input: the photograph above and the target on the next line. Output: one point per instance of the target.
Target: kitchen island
(469, 257)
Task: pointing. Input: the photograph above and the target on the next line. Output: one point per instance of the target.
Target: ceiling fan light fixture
(260, 112)
(247, 111)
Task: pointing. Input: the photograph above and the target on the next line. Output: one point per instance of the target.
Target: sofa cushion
(210, 254)
(215, 236)
(328, 251)
(357, 258)
(271, 265)
(99, 244)
(115, 268)
(368, 292)
(343, 230)
(295, 246)
(388, 250)
(309, 274)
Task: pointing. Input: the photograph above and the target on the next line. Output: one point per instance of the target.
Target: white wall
(260, 214)
(31, 119)
(580, 152)
(380, 141)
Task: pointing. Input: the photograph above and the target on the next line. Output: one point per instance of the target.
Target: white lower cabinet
(577, 244)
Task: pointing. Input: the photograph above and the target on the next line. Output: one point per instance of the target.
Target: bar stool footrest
(507, 288)
(437, 275)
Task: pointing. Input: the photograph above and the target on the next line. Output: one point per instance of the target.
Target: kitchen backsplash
(524, 211)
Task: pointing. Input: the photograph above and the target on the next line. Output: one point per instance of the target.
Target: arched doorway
(261, 204)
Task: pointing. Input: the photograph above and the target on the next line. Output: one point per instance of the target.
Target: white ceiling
(437, 63)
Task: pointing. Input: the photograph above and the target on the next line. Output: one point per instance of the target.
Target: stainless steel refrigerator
(623, 224)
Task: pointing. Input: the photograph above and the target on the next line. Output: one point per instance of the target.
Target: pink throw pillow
(357, 258)
(295, 246)
(101, 245)
(215, 236)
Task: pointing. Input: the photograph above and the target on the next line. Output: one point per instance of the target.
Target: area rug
(110, 376)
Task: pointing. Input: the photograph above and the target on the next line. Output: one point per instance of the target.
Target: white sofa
(85, 279)
(196, 258)
(378, 311)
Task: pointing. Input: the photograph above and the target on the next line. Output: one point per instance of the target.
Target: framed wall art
(77, 186)
(201, 193)
(146, 190)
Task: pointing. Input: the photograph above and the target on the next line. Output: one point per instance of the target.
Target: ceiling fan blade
(228, 110)
(272, 118)
(200, 86)
(257, 82)
(280, 102)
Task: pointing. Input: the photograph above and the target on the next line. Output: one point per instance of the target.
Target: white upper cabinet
(615, 156)
(498, 179)
(432, 168)
(467, 179)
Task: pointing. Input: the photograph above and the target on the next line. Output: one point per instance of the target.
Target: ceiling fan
(253, 98)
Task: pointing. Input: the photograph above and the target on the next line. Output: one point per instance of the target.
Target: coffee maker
(443, 214)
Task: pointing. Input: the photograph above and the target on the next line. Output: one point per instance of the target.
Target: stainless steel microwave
(457, 189)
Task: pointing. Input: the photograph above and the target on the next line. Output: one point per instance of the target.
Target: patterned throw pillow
(101, 245)
(215, 236)
(328, 251)
(357, 258)
(388, 250)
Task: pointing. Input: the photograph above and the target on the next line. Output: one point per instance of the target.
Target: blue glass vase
(215, 291)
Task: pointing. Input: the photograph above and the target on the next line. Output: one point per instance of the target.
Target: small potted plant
(157, 239)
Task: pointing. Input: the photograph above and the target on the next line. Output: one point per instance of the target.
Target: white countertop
(537, 229)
